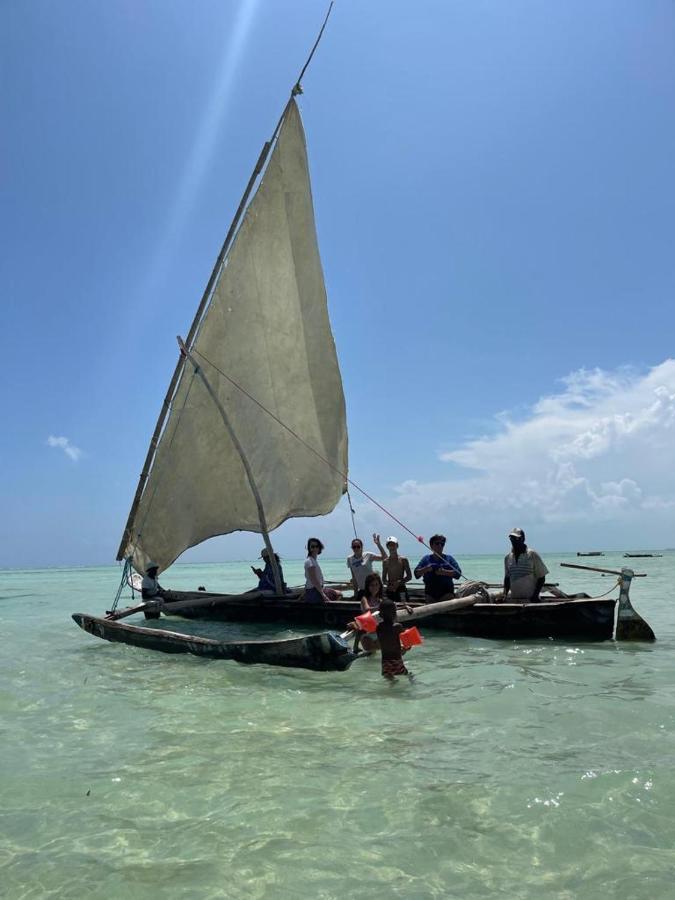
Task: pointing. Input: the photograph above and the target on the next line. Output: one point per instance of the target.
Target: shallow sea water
(512, 769)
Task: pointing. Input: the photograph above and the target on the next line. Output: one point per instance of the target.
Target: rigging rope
(352, 512)
(125, 575)
(309, 447)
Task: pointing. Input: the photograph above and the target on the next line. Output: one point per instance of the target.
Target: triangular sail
(267, 328)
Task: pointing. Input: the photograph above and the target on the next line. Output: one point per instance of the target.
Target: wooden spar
(278, 585)
(206, 297)
(430, 609)
(595, 569)
(129, 611)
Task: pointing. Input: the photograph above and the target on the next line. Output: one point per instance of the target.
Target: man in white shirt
(524, 570)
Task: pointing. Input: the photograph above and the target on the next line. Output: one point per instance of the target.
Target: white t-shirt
(524, 573)
(311, 563)
(360, 567)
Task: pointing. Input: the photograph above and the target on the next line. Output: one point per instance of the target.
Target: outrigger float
(325, 652)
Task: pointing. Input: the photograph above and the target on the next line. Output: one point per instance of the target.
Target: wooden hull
(582, 619)
(318, 652)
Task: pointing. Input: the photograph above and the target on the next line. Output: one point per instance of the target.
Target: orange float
(411, 638)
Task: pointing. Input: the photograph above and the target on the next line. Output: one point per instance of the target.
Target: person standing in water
(389, 639)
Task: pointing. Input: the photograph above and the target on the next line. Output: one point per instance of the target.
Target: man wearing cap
(395, 572)
(524, 570)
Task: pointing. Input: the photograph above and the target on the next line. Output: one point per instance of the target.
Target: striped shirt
(524, 573)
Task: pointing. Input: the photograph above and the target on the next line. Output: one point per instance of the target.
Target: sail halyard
(264, 318)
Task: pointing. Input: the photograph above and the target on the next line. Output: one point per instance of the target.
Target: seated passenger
(150, 587)
(438, 570)
(315, 592)
(524, 570)
(266, 575)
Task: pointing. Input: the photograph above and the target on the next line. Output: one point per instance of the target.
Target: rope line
(309, 447)
(613, 587)
(352, 512)
(123, 582)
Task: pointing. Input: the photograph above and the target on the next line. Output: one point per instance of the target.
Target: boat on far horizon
(641, 555)
(590, 553)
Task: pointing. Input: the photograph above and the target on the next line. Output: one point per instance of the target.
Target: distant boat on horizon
(641, 555)
(590, 553)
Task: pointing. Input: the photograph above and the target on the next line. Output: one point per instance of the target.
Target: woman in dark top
(266, 575)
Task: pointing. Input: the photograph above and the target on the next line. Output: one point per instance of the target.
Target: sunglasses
(315, 546)
(356, 546)
(437, 544)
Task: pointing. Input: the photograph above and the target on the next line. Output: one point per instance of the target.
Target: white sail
(267, 328)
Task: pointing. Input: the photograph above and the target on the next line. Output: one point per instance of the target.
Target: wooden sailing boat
(252, 432)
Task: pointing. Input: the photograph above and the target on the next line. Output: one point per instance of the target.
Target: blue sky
(495, 205)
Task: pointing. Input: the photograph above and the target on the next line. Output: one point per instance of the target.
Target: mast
(247, 468)
(203, 306)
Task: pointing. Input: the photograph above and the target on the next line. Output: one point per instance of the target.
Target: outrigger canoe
(325, 652)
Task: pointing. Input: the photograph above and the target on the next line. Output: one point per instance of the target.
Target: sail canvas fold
(267, 328)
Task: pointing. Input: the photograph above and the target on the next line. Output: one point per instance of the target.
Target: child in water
(389, 638)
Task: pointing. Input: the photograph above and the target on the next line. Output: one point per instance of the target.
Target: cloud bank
(69, 449)
(591, 462)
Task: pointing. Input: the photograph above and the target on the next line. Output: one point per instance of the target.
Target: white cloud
(63, 442)
(593, 461)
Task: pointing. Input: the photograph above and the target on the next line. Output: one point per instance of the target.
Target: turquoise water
(512, 769)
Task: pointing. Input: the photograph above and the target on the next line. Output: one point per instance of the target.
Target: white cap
(392, 540)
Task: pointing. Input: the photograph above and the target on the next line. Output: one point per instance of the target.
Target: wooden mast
(278, 584)
(203, 304)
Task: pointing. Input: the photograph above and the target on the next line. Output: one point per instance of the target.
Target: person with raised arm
(395, 572)
(360, 564)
